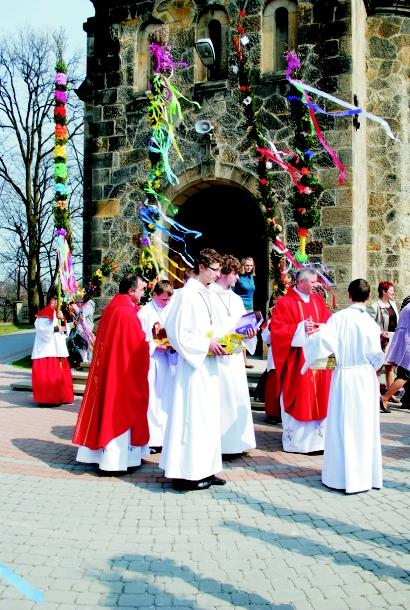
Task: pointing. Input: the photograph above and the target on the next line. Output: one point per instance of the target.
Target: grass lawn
(6, 329)
(23, 363)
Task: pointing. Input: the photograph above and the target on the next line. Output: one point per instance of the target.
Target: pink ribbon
(295, 173)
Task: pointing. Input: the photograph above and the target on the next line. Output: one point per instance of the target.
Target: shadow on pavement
(55, 455)
(64, 432)
(321, 522)
(309, 548)
(133, 571)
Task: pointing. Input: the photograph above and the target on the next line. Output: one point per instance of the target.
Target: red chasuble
(305, 397)
(116, 395)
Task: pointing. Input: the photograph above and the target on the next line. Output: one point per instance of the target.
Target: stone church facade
(357, 50)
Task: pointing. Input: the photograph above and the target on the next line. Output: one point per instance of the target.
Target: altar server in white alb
(352, 458)
(237, 429)
(153, 316)
(191, 454)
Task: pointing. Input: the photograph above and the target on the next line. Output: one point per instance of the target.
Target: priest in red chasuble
(303, 399)
(112, 426)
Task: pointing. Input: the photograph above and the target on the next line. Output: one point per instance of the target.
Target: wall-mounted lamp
(206, 51)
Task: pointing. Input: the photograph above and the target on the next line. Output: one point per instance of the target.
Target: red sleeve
(282, 327)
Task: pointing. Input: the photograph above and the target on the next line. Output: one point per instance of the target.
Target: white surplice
(352, 455)
(48, 343)
(117, 456)
(192, 443)
(237, 429)
(301, 436)
(160, 375)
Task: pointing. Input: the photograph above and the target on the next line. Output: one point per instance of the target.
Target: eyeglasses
(213, 268)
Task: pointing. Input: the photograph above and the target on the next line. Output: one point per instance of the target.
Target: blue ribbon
(21, 585)
(317, 108)
(149, 214)
(162, 141)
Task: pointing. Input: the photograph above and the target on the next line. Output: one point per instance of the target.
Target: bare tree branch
(26, 159)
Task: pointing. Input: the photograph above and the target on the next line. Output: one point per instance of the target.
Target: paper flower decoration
(60, 111)
(60, 96)
(60, 132)
(60, 170)
(60, 152)
(60, 188)
(60, 78)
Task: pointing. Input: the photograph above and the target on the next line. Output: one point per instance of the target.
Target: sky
(49, 15)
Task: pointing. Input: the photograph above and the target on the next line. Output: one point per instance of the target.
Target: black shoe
(111, 473)
(226, 457)
(132, 469)
(185, 485)
(154, 450)
(269, 419)
(217, 480)
(384, 409)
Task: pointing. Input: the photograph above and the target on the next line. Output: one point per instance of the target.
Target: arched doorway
(231, 222)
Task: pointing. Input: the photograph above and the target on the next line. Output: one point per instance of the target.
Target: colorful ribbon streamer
(162, 59)
(296, 174)
(67, 276)
(293, 63)
(21, 585)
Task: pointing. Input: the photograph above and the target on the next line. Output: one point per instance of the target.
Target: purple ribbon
(163, 61)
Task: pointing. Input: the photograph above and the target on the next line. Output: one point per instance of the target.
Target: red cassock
(116, 395)
(272, 406)
(52, 381)
(305, 397)
(51, 378)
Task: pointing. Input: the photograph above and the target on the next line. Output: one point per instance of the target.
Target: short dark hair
(206, 257)
(52, 294)
(164, 286)
(359, 290)
(130, 280)
(383, 287)
(230, 264)
(406, 301)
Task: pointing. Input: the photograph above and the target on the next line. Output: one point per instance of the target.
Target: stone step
(80, 377)
(25, 386)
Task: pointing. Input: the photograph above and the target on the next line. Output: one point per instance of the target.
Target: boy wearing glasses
(191, 453)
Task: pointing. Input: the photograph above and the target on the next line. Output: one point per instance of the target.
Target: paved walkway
(273, 537)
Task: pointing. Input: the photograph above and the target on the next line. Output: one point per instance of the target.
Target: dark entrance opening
(231, 222)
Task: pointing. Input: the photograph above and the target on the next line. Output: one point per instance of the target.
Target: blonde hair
(243, 261)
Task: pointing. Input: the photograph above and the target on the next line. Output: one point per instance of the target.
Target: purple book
(249, 321)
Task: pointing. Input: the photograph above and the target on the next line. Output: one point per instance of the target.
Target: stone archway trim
(191, 182)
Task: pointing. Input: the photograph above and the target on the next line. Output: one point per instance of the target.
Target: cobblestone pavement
(273, 537)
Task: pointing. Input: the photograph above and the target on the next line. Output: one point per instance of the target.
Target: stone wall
(331, 43)
(388, 71)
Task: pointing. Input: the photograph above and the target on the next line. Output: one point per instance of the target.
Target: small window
(143, 59)
(215, 34)
(213, 24)
(279, 28)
